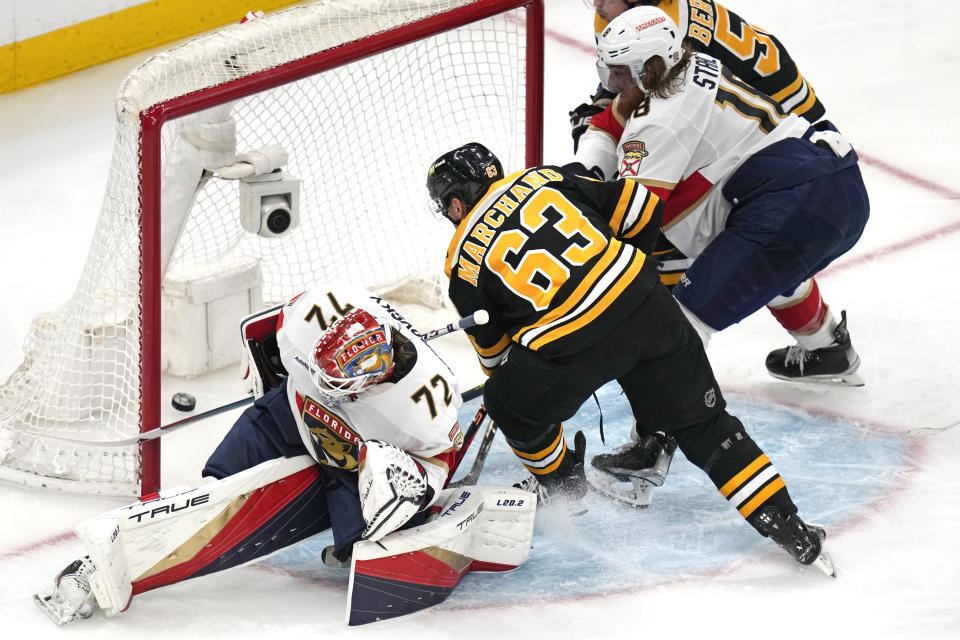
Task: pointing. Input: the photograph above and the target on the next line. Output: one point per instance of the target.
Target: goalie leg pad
(474, 529)
(241, 518)
(186, 533)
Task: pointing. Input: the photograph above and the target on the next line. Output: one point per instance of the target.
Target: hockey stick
(477, 318)
(474, 474)
(469, 436)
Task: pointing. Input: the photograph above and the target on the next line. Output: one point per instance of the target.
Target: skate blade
(826, 564)
(844, 380)
(636, 494)
(55, 608)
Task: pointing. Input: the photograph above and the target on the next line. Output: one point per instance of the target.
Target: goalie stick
(473, 320)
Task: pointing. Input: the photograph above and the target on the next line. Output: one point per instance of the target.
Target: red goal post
(361, 95)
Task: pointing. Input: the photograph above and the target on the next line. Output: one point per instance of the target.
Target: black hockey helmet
(465, 173)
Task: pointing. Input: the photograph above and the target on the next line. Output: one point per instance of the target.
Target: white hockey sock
(822, 337)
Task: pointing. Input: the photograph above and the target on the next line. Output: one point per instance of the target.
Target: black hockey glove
(580, 117)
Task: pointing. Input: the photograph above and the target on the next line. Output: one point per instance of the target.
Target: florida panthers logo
(334, 441)
(633, 154)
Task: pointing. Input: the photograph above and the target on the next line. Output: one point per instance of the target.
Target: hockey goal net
(330, 112)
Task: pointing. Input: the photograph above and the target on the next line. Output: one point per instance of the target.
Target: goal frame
(155, 116)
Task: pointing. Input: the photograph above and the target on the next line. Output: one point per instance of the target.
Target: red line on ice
(52, 540)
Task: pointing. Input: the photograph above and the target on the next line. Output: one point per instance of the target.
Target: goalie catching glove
(393, 488)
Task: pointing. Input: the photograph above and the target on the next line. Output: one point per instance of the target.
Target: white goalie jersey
(415, 409)
(397, 430)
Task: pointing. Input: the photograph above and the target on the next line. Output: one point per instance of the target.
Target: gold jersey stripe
(734, 483)
(608, 257)
(623, 205)
(772, 111)
(789, 90)
(546, 451)
(656, 184)
(493, 351)
(761, 497)
(537, 471)
(631, 272)
(807, 104)
(648, 209)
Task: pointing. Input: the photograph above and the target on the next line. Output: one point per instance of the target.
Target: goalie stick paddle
(475, 319)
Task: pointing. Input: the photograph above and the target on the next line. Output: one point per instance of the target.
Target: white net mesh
(358, 136)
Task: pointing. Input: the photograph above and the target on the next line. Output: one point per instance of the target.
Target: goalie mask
(353, 354)
(637, 35)
(465, 173)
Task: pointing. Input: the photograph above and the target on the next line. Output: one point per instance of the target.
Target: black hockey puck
(183, 402)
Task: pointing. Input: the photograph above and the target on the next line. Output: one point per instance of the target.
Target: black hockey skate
(567, 485)
(836, 364)
(630, 473)
(71, 596)
(804, 542)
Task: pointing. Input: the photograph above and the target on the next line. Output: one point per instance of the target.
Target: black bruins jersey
(557, 260)
(755, 56)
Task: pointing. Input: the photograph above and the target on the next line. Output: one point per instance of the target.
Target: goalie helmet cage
(361, 95)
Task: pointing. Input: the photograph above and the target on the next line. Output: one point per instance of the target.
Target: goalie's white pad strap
(110, 582)
(132, 543)
(483, 528)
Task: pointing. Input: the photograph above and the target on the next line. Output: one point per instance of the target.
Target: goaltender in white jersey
(355, 430)
(416, 412)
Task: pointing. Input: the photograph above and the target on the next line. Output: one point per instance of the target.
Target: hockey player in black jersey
(559, 262)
